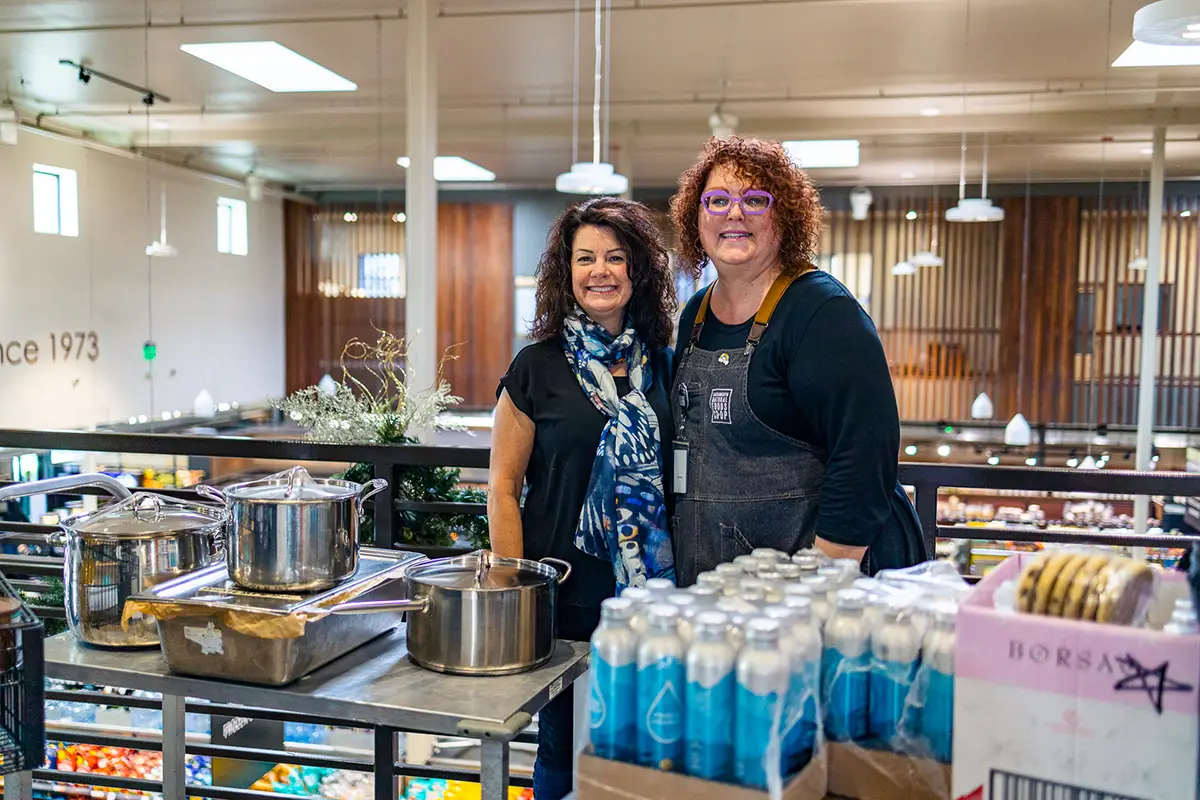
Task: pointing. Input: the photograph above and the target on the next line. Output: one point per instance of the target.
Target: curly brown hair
(652, 306)
(797, 211)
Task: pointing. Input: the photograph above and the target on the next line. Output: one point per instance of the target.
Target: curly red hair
(797, 212)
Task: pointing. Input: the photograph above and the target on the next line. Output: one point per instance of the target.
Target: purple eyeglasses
(720, 202)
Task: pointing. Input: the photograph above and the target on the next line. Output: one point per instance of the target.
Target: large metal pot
(124, 548)
(478, 614)
(291, 532)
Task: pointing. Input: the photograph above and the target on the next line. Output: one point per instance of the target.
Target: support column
(1148, 375)
(420, 305)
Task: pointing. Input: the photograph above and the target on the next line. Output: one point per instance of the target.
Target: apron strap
(761, 319)
(767, 309)
(700, 315)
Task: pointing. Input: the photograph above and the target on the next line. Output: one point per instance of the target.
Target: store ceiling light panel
(270, 65)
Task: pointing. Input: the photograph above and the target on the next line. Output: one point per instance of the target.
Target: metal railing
(387, 461)
(928, 479)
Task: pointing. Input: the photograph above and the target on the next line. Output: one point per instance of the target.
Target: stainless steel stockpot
(291, 532)
(129, 546)
(478, 614)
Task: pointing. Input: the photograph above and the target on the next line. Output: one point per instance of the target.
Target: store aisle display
(433, 789)
(814, 652)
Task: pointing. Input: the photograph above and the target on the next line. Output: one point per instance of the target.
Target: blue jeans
(552, 772)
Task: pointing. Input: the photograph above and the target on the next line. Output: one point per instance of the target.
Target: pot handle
(56, 539)
(368, 491)
(212, 493)
(419, 605)
(52, 485)
(564, 569)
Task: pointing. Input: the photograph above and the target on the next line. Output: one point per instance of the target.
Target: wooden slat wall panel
(326, 306)
(1043, 344)
(1109, 240)
(475, 297)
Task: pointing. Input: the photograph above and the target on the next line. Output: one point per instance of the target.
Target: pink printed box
(1053, 708)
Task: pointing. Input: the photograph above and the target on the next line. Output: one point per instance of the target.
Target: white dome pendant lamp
(595, 177)
(983, 408)
(1139, 263)
(974, 209)
(160, 248)
(1017, 432)
(930, 257)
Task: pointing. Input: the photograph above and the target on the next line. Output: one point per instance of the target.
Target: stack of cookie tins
(1087, 586)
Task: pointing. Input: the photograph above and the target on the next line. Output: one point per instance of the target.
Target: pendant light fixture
(160, 248)
(1139, 262)
(904, 268)
(973, 209)
(930, 257)
(595, 177)
(1018, 433)
(982, 407)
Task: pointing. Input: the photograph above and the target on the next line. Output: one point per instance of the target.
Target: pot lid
(292, 485)
(145, 513)
(482, 570)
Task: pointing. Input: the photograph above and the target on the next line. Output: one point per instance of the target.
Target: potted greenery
(381, 408)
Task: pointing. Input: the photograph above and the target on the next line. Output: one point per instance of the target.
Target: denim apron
(744, 484)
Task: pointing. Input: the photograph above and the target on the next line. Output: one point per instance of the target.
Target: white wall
(217, 319)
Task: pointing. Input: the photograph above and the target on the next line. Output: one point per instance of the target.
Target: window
(55, 200)
(1085, 321)
(1129, 307)
(380, 275)
(232, 237)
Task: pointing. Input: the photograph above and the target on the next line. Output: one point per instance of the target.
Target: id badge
(680, 450)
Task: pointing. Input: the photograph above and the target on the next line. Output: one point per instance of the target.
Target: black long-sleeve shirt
(820, 375)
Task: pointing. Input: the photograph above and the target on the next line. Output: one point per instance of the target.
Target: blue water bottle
(613, 678)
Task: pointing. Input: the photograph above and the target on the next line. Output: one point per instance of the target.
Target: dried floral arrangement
(381, 409)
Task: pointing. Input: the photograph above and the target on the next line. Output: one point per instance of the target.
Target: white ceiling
(1036, 74)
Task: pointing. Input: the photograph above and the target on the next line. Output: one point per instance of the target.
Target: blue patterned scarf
(624, 517)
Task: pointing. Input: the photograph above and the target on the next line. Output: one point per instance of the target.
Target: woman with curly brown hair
(581, 418)
(786, 422)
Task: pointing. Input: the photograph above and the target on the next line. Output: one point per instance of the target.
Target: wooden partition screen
(1107, 344)
(347, 277)
(939, 325)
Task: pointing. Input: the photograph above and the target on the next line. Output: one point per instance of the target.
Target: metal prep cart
(376, 685)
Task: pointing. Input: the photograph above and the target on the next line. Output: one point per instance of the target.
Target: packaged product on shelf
(886, 677)
(726, 690)
(1085, 585)
(709, 700)
(661, 683)
(895, 658)
(762, 681)
(936, 717)
(845, 668)
(800, 640)
(1051, 697)
(613, 677)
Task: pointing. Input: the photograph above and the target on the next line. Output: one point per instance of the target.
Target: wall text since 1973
(53, 348)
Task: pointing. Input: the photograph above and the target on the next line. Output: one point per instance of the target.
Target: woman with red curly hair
(787, 432)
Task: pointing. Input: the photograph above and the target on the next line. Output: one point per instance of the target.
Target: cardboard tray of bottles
(600, 779)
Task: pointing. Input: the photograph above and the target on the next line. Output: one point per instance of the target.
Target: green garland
(353, 412)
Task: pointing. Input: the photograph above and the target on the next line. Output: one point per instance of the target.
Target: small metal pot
(478, 614)
(290, 532)
(122, 549)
